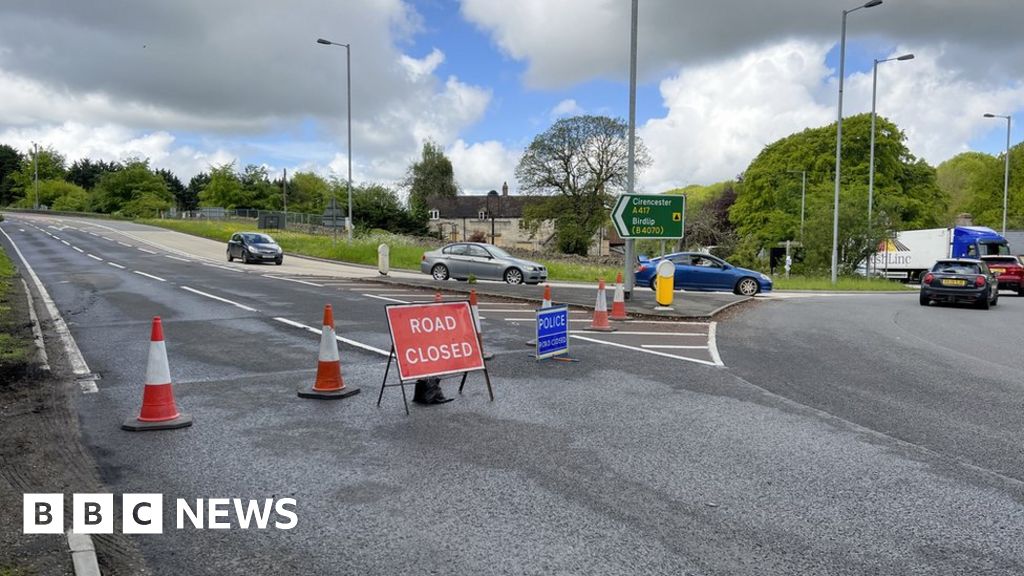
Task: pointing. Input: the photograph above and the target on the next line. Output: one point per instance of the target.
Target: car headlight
(764, 277)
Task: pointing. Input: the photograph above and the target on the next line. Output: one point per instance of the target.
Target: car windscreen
(498, 252)
(258, 239)
(956, 268)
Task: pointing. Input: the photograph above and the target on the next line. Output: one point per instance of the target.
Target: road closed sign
(434, 339)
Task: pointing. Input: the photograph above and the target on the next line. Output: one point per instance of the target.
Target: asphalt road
(843, 435)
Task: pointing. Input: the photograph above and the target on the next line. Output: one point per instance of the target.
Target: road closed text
(434, 339)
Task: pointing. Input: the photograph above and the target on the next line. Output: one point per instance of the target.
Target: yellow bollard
(665, 283)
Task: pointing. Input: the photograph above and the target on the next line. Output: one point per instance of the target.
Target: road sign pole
(627, 273)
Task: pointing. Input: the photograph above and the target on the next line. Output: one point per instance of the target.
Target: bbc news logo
(144, 514)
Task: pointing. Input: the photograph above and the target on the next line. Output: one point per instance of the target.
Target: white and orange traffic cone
(159, 411)
(545, 303)
(474, 306)
(600, 321)
(619, 301)
(328, 385)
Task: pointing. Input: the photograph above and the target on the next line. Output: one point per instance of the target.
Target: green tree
(377, 206)
(580, 161)
(174, 185)
(224, 190)
(189, 199)
(961, 177)
(308, 192)
(86, 173)
(59, 195)
(10, 162)
(767, 208)
(259, 192)
(134, 191)
(50, 164)
(431, 176)
(986, 203)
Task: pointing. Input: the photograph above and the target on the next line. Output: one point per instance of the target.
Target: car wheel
(747, 287)
(984, 303)
(279, 260)
(439, 272)
(230, 257)
(996, 299)
(654, 283)
(514, 276)
(925, 300)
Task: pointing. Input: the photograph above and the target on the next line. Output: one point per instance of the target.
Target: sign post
(552, 332)
(649, 216)
(433, 339)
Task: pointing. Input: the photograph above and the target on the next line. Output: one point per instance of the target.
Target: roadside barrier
(600, 321)
(159, 410)
(619, 301)
(329, 384)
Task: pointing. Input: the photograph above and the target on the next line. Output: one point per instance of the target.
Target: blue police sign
(552, 331)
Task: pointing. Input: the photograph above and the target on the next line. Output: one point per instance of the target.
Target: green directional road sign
(657, 216)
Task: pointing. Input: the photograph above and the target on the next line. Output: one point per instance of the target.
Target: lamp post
(803, 198)
(839, 139)
(874, 97)
(35, 169)
(631, 158)
(1006, 172)
(490, 212)
(348, 87)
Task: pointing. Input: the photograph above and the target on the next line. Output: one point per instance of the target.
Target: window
(456, 250)
(477, 252)
(482, 215)
(435, 214)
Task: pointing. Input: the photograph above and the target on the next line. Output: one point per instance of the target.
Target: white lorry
(911, 253)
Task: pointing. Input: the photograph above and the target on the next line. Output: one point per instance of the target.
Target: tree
(257, 189)
(50, 165)
(961, 177)
(224, 190)
(189, 199)
(582, 162)
(174, 185)
(59, 195)
(431, 176)
(308, 192)
(986, 202)
(10, 162)
(134, 191)
(86, 173)
(376, 206)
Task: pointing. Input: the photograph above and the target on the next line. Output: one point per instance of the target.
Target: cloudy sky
(194, 83)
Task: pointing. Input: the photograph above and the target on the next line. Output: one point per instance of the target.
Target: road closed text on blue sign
(552, 331)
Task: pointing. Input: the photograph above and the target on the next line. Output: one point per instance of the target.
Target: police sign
(552, 331)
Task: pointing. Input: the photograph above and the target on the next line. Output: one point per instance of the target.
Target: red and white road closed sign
(434, 339)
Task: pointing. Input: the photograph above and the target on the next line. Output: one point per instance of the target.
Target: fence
(268, 219)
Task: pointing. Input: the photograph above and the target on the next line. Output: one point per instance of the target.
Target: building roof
(472, 206)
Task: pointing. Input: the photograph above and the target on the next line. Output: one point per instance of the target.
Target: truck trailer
(913, 252)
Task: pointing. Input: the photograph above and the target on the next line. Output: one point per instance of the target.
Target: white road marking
(116, 265)
(74, 355)
(65, 242)
(294, 280)
(218, 298)
(79, 250)
(149, 276)
(713, 343)
(317, 331)
(94, 234)
(517, 311)
(37, 332)
(21, 229)
(532, 319)
(644, 350)
(176, 258)
(146, 251)
(384, 298)
(228, 268)
(123, 244)
(108, 238)
(672, 347)
(95, 257)
(628, 333)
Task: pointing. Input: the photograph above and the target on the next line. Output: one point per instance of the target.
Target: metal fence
(268, 219)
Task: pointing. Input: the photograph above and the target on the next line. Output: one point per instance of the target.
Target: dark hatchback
(960, 280)
(254, 247)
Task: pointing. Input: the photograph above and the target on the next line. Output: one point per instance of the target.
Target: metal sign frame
(561, 310)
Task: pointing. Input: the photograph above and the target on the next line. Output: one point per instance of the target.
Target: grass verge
(843, 284)
(15, 338)
(361, 250)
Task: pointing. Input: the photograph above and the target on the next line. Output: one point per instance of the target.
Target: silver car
(483, 261)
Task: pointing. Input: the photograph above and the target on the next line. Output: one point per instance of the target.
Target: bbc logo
(93, 513)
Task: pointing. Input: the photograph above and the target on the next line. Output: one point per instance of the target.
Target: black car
(254, 247)
(960, 280)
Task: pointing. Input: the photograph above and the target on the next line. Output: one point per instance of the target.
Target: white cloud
(483, 166)
(567, 107)
(424, 66)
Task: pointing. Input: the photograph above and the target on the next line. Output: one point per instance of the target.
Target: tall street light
(631, 159)
(1006, 173)
(348, 86)
(35, 168)
(839, 139)
(874, 97)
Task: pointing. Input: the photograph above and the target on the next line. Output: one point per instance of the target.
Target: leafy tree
(308, 192)
(582, 162)
(986, 204)
(174, 185)
(376, 206)
(767, 208)
(257, 189)
(431, 176)
(50, 165)
(189, 199)
(10, 162)
(961, 177)
(707, 220)
(224, 189)
(86, 173)
(134, 190)
(59, 195)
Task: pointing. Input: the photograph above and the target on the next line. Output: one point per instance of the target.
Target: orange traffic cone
(619, 301)
(600, 321)
(329, 385)
(438, 297)
(476, 320)
(547, 297)
(159, 411)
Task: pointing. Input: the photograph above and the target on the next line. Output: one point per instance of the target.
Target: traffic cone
(619, 301)
(476, 321)
(438, 297)
(159, 411)
(600, 321)
(328, 385)
(546, 303)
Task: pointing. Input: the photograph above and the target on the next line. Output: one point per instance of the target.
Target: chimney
(964, 219)
(504, 189)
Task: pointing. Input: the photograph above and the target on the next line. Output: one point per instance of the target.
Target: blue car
(698, 271)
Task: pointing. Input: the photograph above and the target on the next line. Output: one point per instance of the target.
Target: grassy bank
(362, 250)
(15, 338)
(843, 284)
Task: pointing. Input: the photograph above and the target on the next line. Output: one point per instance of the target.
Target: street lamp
(874, 94)
(839, 139)
(35, 168)
(803, 198)
(1006, 172)
(490, 212)
(348, 86)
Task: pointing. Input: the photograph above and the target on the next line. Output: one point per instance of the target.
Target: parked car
(960, 280)
(483, 261)
(1009, 272)
(700, 271)
(254, 247)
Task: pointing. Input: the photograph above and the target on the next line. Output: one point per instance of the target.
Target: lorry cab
(977, 241)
